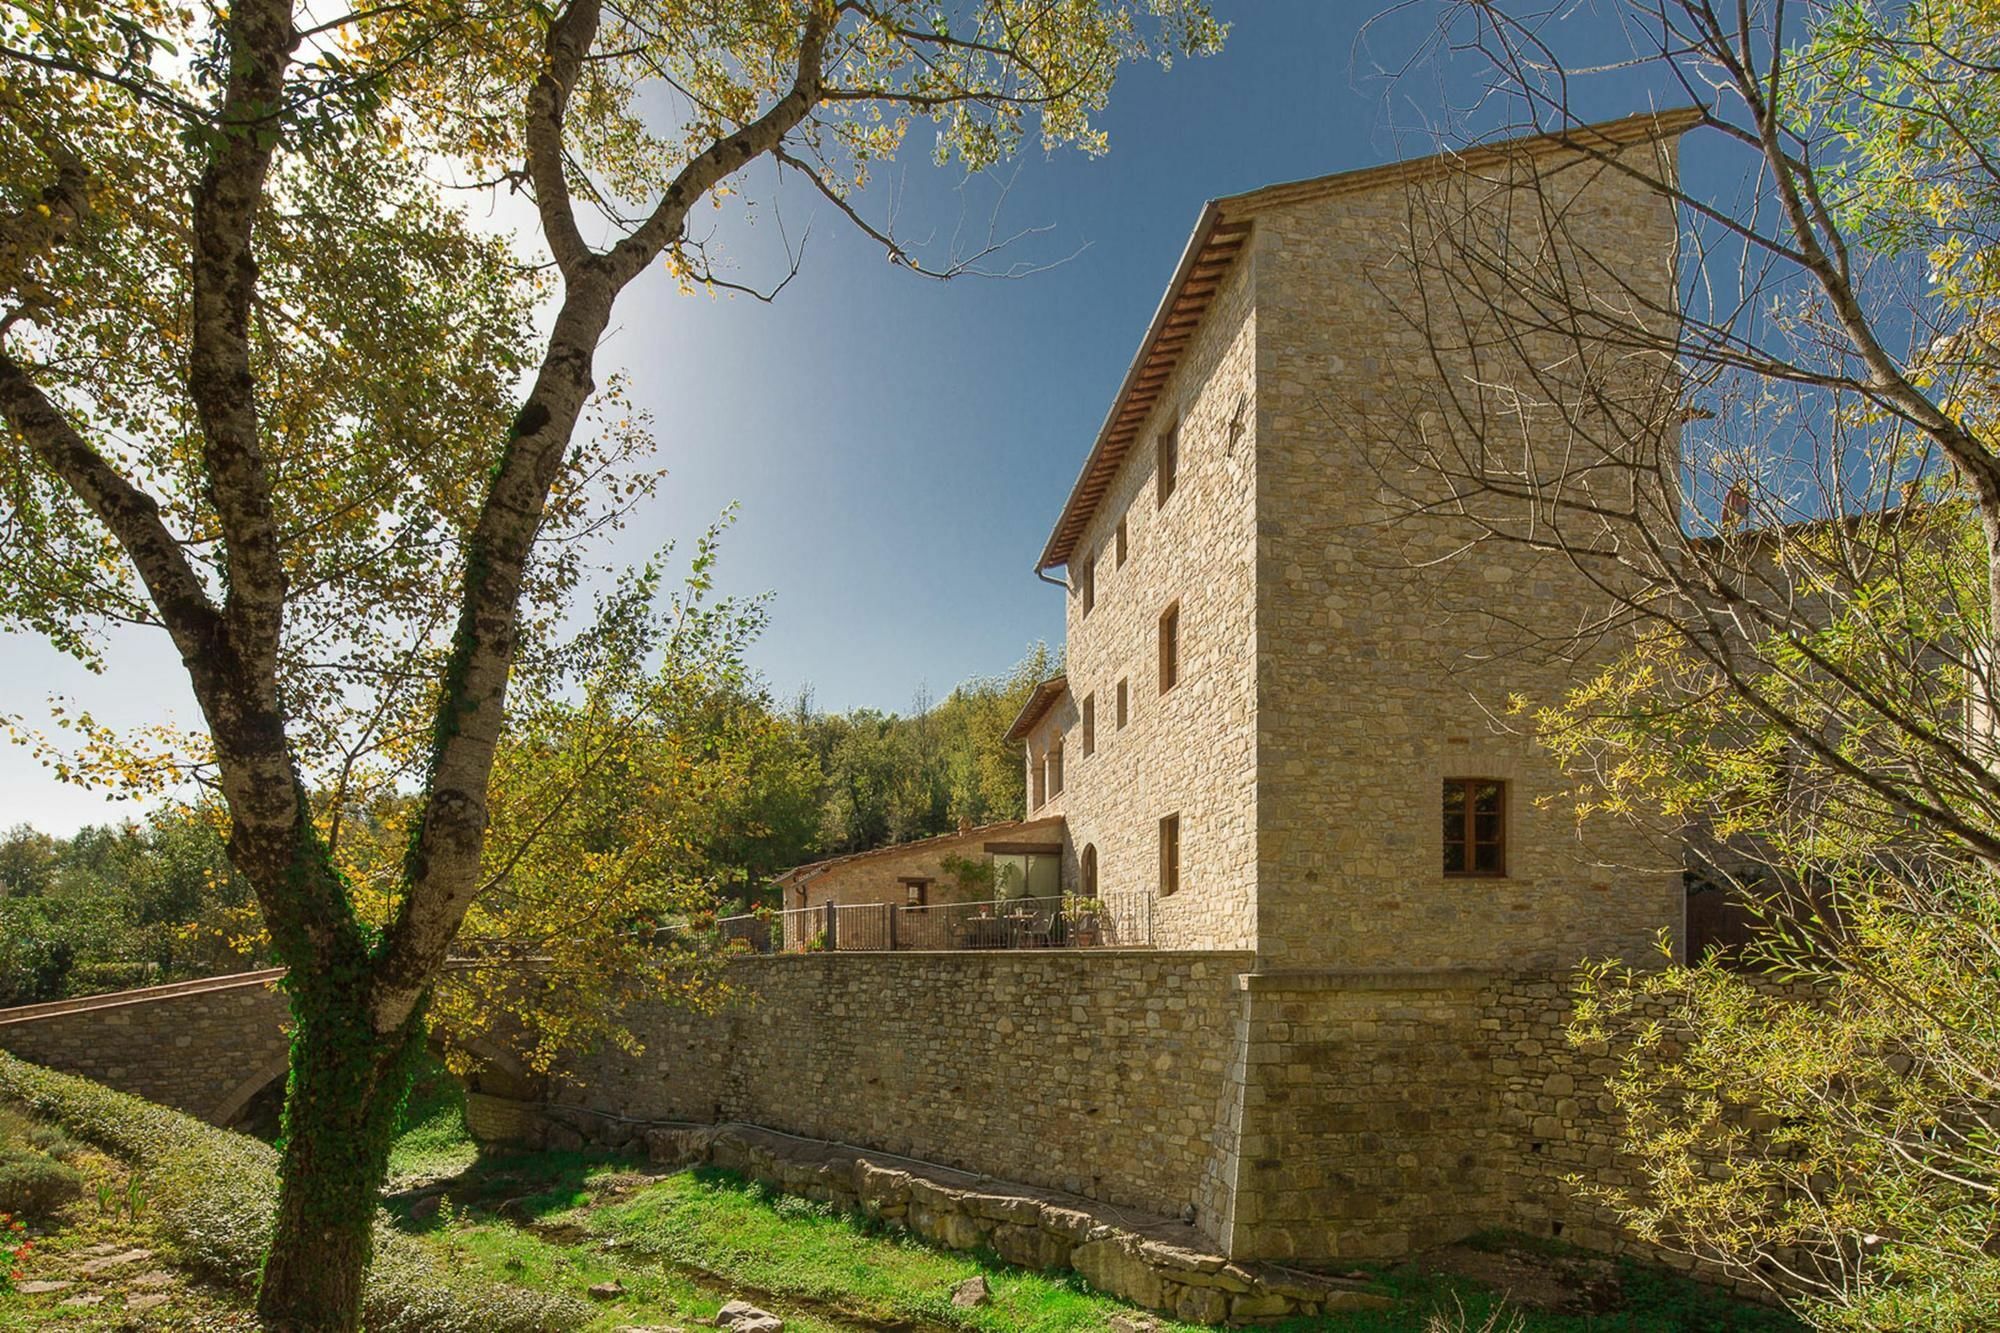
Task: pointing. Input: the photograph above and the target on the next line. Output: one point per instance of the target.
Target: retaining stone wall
(1095, 1072)
(1160, 1264)
(1386, 1112)
(1320, 1118)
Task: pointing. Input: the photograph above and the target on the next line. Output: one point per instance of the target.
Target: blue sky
(900, 447)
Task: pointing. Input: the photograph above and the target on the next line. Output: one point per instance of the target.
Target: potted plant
(1081, 916)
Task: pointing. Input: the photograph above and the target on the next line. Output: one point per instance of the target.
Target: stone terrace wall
(1095, 1072)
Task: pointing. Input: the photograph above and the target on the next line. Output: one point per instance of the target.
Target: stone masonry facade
(1188, 751)
(1381, 669)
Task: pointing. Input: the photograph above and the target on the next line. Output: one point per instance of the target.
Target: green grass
(433, 1142)
(791, 1250)
(208, 1197)
(653, 1294)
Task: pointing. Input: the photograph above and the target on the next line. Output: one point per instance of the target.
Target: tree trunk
(347, 1088)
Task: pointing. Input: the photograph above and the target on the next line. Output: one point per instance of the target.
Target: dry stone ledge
(1155, 1262)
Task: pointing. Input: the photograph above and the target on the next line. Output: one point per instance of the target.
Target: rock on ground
(743, 1317)
(973, 1291)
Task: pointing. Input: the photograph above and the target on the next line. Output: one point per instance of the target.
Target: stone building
(1278, 728)
(1280, 743)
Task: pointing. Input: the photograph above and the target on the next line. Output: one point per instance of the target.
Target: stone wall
(1383, 1112)
(1191, 750)
(1094, 1072)
(1322, 1118)
(204, 1047)
(1390, 640)
(208, 1047)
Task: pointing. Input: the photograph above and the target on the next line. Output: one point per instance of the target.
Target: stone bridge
(215, 1047)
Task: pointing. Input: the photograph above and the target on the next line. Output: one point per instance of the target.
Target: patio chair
(1038, 932)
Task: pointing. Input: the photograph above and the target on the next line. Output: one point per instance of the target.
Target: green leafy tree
(887, 778)
(120, 906)
(267, 390)
(1783, 479)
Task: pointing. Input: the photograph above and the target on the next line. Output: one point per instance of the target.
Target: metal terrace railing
(999, 923)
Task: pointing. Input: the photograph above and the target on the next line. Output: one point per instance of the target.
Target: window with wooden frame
(1087, 868)
(1121, 710)
(1040, 784)
(1170, 855)
(1475, 827)
(1170, 647)
(1055, 770)
(1118, 546)
(916, 892)
(1167, 462)
(1086, 584)
(1089, 725)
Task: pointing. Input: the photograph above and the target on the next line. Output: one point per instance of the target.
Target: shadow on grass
(506, 1184)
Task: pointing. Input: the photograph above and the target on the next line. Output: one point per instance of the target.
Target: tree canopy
(267, 388)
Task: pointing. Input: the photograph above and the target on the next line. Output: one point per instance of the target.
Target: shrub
(212, 1194)
(51, 1140)
(32, 1185)
(96, 978)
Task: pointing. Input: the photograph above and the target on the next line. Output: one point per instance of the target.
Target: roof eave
(1040, 700)
(1211, 214)
(1241, 209)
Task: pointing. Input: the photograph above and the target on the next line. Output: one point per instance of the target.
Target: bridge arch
(211, 1047)
(498, 1075)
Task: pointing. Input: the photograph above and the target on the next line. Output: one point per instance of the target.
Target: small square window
(1119, 545)
(1089, 725)
(1170, 855)
(1167, 462)
(1122, 695)
(1170, 647)
(1475, 827)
